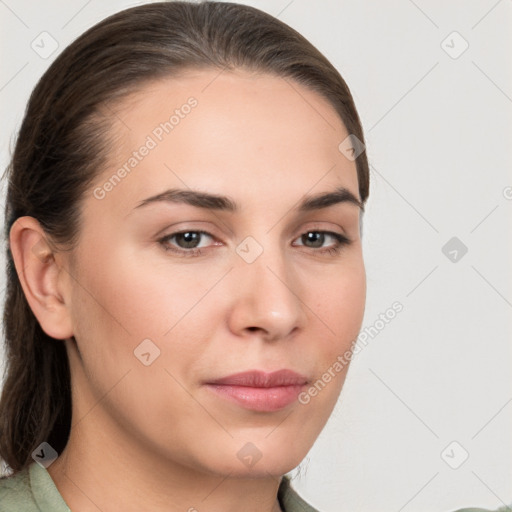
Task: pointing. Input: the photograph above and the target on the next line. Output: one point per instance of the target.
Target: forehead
(236, 132)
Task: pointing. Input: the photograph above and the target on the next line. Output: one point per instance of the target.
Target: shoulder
(15, 492)
(31, 490)
(505, 508)
(290, 500)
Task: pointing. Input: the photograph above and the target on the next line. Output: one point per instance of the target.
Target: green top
(33, 490)
(505, 508)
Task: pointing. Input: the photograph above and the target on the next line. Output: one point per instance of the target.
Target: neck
(111, 471)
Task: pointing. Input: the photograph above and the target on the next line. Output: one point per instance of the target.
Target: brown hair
(63, 145)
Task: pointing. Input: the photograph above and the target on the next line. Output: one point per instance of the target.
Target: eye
(317, 238)
(186, 240)
(187, 243)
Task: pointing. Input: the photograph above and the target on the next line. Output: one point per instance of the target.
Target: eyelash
(341, 242)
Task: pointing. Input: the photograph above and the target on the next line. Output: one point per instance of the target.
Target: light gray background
(438, 134)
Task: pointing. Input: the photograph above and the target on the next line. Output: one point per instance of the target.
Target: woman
(185, 272)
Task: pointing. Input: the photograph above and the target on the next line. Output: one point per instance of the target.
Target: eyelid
(172, 229)
(189, 230)
(340, 241)
(313, 226)
(337, 229)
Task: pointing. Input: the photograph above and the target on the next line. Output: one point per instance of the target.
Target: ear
(42, 278)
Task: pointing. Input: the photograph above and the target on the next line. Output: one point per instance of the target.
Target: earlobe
(41, 277)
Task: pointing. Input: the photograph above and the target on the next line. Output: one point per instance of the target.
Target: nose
(266, 298)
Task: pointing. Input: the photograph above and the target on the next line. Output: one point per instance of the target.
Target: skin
(170, 442)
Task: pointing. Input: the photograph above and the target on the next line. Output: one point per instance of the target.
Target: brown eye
(186, 242)
(317, 238)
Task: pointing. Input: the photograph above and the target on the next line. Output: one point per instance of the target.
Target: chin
(260, 469)
(249, 461)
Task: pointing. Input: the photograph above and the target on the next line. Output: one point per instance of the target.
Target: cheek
(140, 297)
(117, 306)
(126, 300)
(340, 304)
(334, 326)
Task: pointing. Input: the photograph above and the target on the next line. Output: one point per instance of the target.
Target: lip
(258, 390)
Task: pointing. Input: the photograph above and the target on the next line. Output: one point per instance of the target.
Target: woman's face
(157, 317)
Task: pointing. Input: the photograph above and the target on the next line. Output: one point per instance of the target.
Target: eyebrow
(224, 203)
